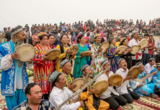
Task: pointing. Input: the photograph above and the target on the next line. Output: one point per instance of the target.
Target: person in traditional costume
(125, 89)
(63, 47)
(14, 76)
(80, 61)
(112, 54)
(149, 67)
(146, 88)
(60, 93)
(3, 39)
(51, 41)
(66, 71)
(127, 54)
(156, 78)
(97, 51)
(43, 67)
(110, 95)
(138, 57)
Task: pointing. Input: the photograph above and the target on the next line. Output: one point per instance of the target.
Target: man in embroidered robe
(66, 71)
(14, 75)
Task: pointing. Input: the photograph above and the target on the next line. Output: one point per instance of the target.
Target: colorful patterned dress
(97, 61)
(113, 59)
(42, 69)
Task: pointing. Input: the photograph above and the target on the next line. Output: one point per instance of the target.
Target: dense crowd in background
(53, 79)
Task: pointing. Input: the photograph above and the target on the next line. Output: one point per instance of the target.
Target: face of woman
(114, 41)
(44, 41)
(64, 39)
(82, 40)
(51, 40)
(125, 42)
(98, 39)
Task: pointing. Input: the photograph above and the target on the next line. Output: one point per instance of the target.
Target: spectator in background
(151, 46)
(27, 38)
(74, 34)
(70, 38)
(34, 100)
(35, 38)
(3, 39)
(8, 34)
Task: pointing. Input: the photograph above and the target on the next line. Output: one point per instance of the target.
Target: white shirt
(131, 44)
(110, 89)
(6, 63)
(123, 88)
(58, 96)
(148, 68)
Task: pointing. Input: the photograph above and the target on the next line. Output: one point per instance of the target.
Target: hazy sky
(20, 12)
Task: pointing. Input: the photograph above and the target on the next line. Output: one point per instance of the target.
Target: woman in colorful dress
(51, 41)
(112, 54)
(43, 68)
(96, 50)
(65, 53)
(79, 62)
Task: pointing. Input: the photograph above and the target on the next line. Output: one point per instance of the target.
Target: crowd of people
(53, 78)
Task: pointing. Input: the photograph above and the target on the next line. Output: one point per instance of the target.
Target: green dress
(79, 62)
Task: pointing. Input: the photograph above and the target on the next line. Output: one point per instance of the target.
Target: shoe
(153, 95)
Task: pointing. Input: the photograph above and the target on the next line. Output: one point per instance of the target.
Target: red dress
(42, 69)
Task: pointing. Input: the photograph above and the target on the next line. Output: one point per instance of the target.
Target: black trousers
(135, 61)
(115, 101)
(130, 96)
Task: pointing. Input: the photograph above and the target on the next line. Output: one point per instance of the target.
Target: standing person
(99, 58)
(151, 46)
(14, 76)
(60, 93)
(74, 34)
(145, 53)
(8, 34)
(112, 54)
(3, 39)
(138, 57)
(34, 99)
(27, 39)
(127, 54)
(80, 61)
(70, 38)
(51, 41)
(65, 53)
(43, 67)
(149, 67)
(35, 38)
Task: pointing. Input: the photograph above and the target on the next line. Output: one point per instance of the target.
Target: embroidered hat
(151, 59)
(16, 30)
(42, 34)
(54, 76)
(83, 67)
(63, 62)
(158, 64)
(138, 64)
(119, 61)
(104, 62)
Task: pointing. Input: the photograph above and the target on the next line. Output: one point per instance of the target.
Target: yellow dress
(62, 55)
(117, 44)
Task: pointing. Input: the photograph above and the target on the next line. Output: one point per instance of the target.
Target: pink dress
(70, 39)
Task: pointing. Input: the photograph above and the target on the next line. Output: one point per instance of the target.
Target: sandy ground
(31, 78)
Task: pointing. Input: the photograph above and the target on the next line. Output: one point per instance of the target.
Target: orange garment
(89, 103)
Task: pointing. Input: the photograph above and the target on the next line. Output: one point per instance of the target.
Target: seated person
(110, 95)
(60, 93)
(66, 71)
(144, 88)
(156, 77)
(149, 67)
(128, 94)
(93, 101)
(34, 99)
